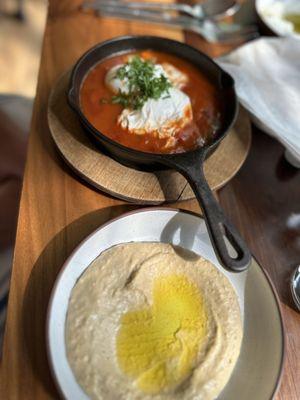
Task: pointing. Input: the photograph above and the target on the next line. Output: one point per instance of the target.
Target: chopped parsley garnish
(142, 82)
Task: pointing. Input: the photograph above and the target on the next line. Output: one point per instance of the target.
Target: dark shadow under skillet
(190, 163)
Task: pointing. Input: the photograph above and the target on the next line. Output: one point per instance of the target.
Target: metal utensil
(210, 29)
(295, 286)
(210, 9)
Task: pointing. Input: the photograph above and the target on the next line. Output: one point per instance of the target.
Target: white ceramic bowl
(274, 22)
(258, 370)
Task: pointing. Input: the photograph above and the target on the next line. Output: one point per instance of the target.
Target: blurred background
(21, 31)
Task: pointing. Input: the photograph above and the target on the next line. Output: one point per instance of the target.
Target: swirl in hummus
(152, 321)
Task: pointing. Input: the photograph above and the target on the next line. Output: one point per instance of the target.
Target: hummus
(152, 321)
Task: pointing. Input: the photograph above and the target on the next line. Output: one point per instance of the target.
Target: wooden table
(57, 211)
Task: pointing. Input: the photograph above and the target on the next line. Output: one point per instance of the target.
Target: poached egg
(163, 117)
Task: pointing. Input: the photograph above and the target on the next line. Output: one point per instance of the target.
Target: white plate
(257, 373)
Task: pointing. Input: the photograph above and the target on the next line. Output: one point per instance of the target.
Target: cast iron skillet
(189, 164)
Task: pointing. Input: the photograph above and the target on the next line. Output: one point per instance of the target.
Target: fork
(215, 9)
(210, 29)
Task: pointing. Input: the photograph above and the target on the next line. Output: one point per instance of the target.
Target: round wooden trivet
(112, 177)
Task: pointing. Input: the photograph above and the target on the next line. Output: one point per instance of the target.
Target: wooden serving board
(128, 184)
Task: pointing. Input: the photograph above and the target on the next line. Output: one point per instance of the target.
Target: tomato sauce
(95, 103)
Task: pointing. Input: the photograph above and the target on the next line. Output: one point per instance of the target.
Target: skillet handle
(220, 229)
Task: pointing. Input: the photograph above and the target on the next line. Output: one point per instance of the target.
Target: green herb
(142, 84)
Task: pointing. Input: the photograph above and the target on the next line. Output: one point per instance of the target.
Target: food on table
(283, 16)
(294, 19)
(151, 101)
(152, 321)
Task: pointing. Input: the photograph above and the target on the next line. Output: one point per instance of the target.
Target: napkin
(267, 78)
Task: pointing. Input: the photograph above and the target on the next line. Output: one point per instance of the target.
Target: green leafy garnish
(142, 84)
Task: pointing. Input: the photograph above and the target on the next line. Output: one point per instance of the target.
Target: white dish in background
(259, 367)
(272, 14)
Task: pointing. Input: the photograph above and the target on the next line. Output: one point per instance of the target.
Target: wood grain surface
(57, 211)
(139, 187)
